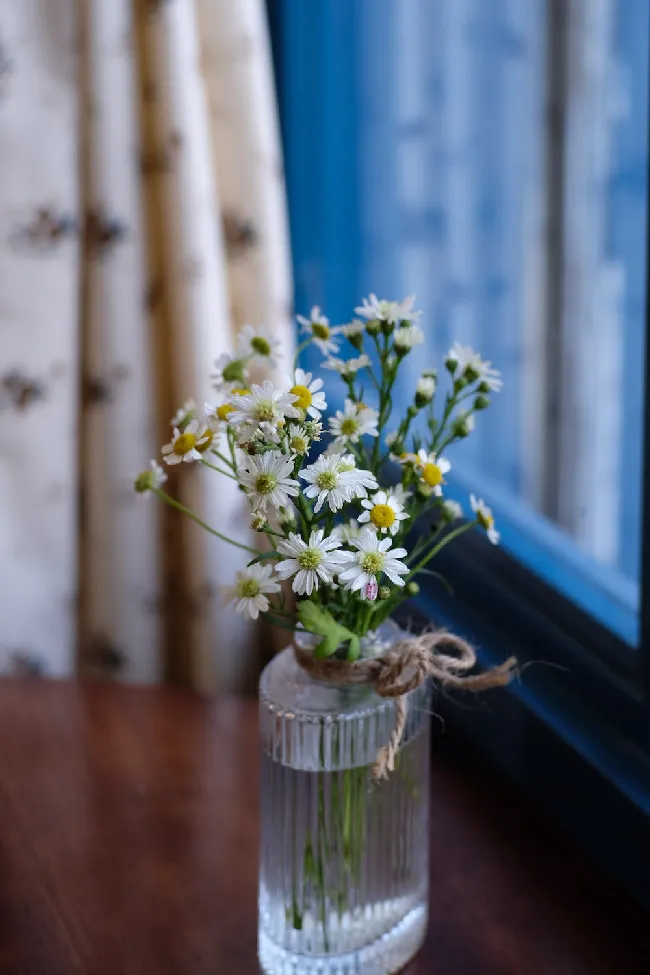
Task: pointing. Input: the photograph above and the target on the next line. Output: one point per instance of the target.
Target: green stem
(278, 621)
(213, 467)
(306, 514)
(301, 348)
(449, 537)
(167, 498)
(225, 460)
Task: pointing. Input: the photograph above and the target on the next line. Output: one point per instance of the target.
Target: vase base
(384, 956)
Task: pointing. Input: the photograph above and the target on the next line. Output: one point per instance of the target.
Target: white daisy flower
(260, 342)
(308, 394)
(310, 562)
(406, 337)
(335, 479)
(297, 439)
(221, 411)
(347, 367)
(249, 593)
(267, 478)
(189, 445)
(373, 556)
(425, 388)
(401, 494)
(263, 404)
(353, 330)
(184, 414)
(151, 479)
(388, 311)
(353, 422)
(229, 370)
(384, 513)
(470, 365)
(432, 470)
(345, 531)
(485, 518)
(452, 510)
(318, 326)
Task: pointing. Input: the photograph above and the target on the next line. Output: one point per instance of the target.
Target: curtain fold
(153, 229)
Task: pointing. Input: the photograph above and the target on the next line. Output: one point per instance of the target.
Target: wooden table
(128, 846)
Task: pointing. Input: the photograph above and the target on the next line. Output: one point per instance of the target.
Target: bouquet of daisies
(336, 496)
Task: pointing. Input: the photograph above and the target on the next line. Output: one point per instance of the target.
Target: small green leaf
(316, 619)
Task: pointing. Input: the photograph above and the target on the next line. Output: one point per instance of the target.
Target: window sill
(559, 748)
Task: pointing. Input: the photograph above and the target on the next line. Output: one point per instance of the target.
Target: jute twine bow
(401, 669)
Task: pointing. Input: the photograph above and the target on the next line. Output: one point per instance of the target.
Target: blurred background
(490, 156)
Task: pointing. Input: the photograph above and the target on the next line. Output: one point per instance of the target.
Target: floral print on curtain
(142, 221)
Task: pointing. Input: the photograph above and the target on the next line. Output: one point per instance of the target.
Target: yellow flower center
(372, 563)
(326, 480)
(299, 444)
(248, 588)
(303, 397)
(344, 468)
(485, 521)
(260, 345)
(241, 391)
(349, 426)
(265, 411)
(310, 558)
(320, 331)
(432, 475)
(205, 442)
(265, 483)
(184, 443)
(382, 515)
(224, 410)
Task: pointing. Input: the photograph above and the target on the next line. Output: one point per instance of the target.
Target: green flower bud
(451, 365)
(253, 447)
(481, 403)
(387, 327)
(144, 482)
(484, 387)
(463, 425)
(373, 327)
(287, 518)
(459, 384)
(412, 411)
(471, 375)
(384, 592)
(412, 588)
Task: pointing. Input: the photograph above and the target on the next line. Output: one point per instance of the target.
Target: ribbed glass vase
(344, 859)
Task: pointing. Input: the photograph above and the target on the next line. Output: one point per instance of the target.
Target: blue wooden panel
(415, 144)
(319, 85)
(627, 242)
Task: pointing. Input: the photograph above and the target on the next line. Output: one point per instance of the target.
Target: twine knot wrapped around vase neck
(401, 669)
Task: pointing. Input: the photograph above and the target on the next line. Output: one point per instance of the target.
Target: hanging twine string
(402, 668)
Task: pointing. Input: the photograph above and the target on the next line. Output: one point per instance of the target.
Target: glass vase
(344, 858)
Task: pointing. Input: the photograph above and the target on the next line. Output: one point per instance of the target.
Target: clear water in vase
(344, 859)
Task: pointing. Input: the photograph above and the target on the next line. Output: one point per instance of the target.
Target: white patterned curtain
(142, 221)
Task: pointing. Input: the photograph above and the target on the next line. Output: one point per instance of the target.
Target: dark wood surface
(128, 846)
